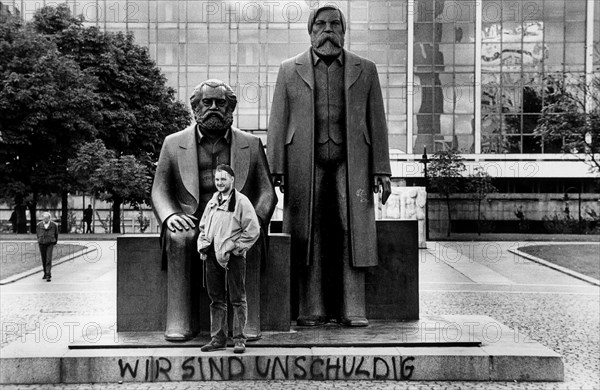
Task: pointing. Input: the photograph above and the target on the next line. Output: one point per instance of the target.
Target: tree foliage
(100, 171)
(52, 20)
(124, 179)
(62, 85)
(571, 114)
(445, 171)
(480, 185)
(47, 108)
(445, 176)
(138, 109)
(90, 157)
(116, 179)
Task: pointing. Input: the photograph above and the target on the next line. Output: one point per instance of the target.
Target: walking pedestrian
(87, 218)
(47, 235)
(13, 221)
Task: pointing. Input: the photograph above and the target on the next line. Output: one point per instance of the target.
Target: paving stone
(568, 323)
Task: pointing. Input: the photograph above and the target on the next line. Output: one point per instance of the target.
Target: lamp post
(425, 160)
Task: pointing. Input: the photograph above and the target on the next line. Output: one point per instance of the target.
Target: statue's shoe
(310, 320)
(355, 321)
(214, 345)
(178, 336)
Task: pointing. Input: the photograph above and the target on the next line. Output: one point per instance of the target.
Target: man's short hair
(313, 16)
(213, 83)
(225, 168)
(46, 214)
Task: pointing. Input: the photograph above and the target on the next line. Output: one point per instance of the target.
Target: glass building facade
(455, 73)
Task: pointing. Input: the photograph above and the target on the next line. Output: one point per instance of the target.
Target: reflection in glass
(444, 43)
(523, 41)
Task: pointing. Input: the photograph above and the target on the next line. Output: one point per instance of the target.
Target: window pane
(169, 35)
(197, 54)
(576, 54)
(218, 54)
(575, 32)
(167, 54)
(167, 11)
(554, 32)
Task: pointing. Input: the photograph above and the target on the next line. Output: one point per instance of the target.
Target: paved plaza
(466, 278)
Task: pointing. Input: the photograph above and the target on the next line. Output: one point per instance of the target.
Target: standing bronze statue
(184, 184)
(328, 151)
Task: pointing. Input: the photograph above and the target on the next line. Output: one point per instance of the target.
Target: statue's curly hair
(214, 83)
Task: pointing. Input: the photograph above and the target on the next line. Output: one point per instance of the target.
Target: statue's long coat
(290, 151)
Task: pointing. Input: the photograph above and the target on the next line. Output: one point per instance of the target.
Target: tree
(480, 186)
(571, 115)
(89, 158)
(52, 20)
(137, 110)
(123, 180)
(115, 179)
(47, 108)
(445, 176)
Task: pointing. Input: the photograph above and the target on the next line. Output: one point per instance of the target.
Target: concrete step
(475, 348)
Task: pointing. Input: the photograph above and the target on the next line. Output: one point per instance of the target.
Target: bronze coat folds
(290, 148)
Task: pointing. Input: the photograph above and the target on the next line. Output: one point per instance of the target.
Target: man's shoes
(355, 321)
(239, 347)
(213, 346)
(310, 321)
(48, 279)
(45, 277)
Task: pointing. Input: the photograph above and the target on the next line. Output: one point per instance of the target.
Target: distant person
(47, 235)
(87, 218)
(21, 218)
(228, 229)
(13, 221)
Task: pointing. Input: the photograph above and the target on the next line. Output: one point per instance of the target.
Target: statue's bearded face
(212, 113)
(327, 35)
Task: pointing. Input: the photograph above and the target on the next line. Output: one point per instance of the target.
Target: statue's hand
(181, 221)
(279, 181)
(385, 183)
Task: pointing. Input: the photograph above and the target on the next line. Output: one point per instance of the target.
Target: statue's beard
(215, 123)
(327, 44)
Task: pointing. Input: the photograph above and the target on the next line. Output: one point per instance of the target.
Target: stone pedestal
(436, 348)
(142, 287)
(392, 288)
(275, 285)
(141, 284)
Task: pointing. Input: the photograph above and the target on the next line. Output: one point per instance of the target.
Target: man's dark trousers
(46, 252)
(219, 281)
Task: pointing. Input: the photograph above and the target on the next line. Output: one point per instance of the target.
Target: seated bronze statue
(183, 185)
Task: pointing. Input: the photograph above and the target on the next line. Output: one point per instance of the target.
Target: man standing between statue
(228, 229)
(184, 184)
(328, 151)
